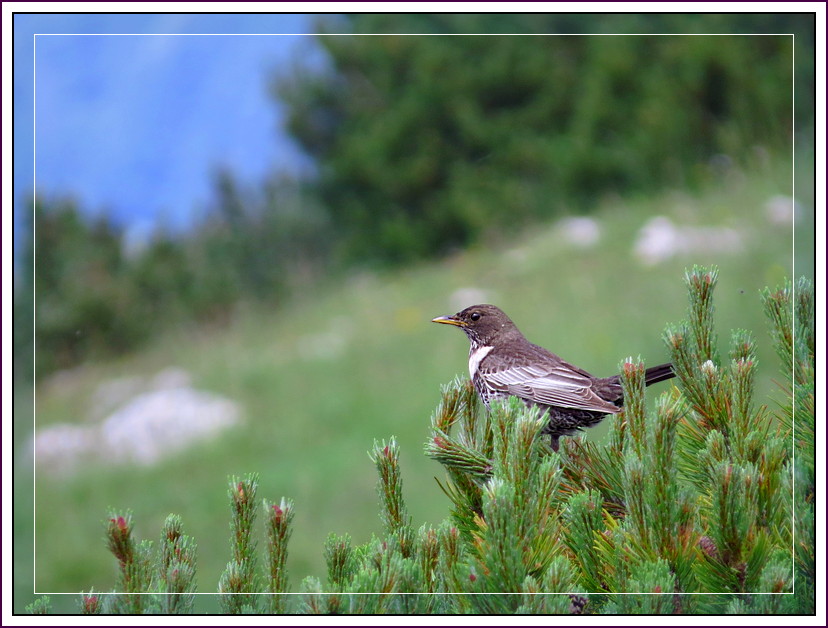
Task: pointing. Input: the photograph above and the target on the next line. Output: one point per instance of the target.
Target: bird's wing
(550, 384)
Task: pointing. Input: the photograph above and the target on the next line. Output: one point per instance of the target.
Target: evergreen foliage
(134, 565)
(280, 518)
(239, 579)
(41, 606)
(421, 141)
(707, 494)
(97, 296)
(178, 568)
(90, 604)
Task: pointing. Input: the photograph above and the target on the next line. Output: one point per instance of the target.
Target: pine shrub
(708, 494)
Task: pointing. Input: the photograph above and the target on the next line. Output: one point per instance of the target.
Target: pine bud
(91, 605)
(277, 514)
(707, 545)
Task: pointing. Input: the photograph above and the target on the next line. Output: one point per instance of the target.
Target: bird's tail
(659, 373)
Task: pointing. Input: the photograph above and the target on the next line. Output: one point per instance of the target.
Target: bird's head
(483, 324)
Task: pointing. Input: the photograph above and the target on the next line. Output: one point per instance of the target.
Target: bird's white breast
(475, 357)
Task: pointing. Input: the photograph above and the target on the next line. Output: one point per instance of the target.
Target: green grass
(311, 416)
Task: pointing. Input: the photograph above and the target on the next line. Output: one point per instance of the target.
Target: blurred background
(228, 248)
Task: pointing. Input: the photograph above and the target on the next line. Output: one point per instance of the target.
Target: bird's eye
(475, 316)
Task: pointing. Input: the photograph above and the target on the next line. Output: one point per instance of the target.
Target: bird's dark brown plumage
(503, 363)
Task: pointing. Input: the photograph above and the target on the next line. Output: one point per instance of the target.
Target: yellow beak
(448, 320)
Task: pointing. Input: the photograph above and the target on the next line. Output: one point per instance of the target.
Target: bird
(503, 363)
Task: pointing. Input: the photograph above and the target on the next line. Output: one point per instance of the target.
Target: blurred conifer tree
(426, 143)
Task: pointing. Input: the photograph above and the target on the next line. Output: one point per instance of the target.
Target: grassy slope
(311, 417)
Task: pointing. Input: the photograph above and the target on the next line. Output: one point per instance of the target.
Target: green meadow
(354, 358)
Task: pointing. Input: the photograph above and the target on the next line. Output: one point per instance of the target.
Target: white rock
(580, 231)
(782, 210)
(60, 448)
(659, 239)
(656, 240)
(157, 424)
(144, 429)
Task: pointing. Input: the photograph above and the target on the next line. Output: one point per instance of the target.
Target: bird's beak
(449, 320)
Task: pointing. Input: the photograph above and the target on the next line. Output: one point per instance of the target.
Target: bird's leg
(553, 440)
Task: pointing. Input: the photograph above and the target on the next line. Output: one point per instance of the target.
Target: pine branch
(178, 568)
(395, 515)
(239, 579)
(90, 603)
(135, 575)
(279, 529)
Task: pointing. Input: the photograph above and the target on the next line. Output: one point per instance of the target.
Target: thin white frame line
(412, 34)
(309, 593)
(793, 314)
(34, 312)
(793, 259)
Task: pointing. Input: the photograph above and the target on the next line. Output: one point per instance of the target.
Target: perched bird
(503, 363)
